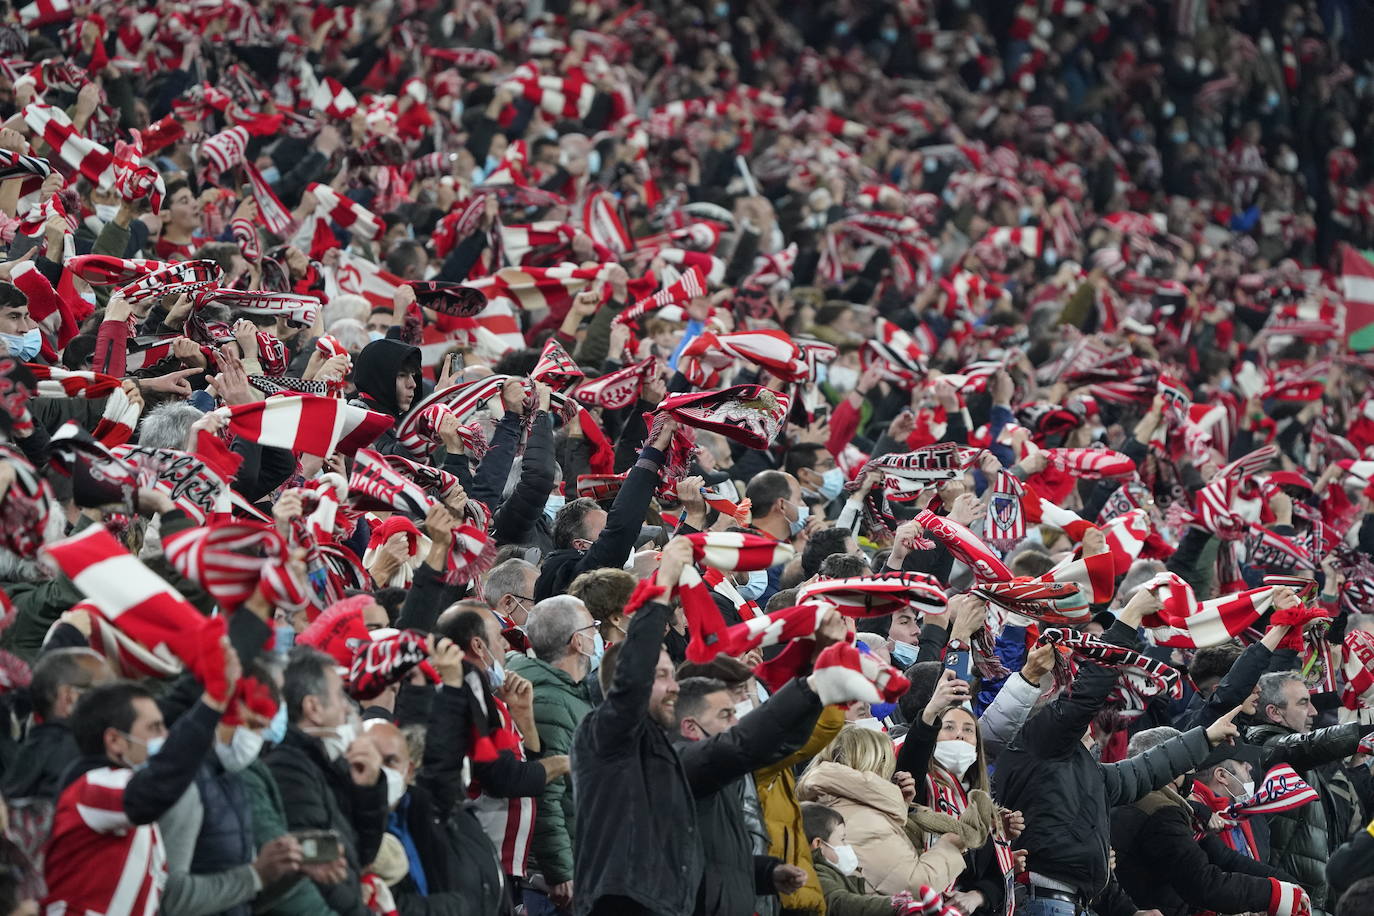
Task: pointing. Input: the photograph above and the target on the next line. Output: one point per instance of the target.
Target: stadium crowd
(864, 456)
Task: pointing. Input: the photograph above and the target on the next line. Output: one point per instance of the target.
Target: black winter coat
(1301, 840)
(514, 521)
(225, 840)
(1161, 866)
(462, 872)
(319, 794)
(1066, 795)
(37, 768)
(626, 772)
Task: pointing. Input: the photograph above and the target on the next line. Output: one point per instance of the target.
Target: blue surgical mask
(722, 9)
(555, 502)
(832, 482)
(24, 347)
(1024, 215)
(375, 335)
(903, 654)
(496, 674)
(271, 174)
(1050, 257)
(598, 650)
(1179, 136)
(276, 729)
(890, 36)
(936, 262)
(842, 28)
(803, 513)
(755, 587)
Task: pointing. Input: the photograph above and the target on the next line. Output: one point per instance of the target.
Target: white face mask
(241, 751)
(846, 860)
(1249, 787)
(869, 723)
(955, 756)
(743, 708)
(395, 787)
(106, 212)
(336, 740)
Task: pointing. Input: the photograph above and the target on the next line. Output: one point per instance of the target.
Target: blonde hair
(862, 749)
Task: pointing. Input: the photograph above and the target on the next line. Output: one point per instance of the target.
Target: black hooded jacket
(374, 374)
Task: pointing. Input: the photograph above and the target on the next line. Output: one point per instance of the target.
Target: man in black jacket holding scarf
(1066, 796)
(628, 772)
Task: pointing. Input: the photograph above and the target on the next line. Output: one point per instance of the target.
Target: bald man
(453, 866)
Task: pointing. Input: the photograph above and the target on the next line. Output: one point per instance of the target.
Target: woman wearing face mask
(945, 744)
(854, 776)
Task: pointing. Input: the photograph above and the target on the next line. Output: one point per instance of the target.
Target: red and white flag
(304, 423)
(273, 213)
(145, 608)
(1358, 668)
(1030, 241)
(46, 12)
(333, 100)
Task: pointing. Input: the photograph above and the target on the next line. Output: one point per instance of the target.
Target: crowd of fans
(728, 458)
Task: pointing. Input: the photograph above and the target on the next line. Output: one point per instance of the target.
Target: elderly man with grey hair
(1167, 860)
(1301, 840)
(509, 590)
(567, 649)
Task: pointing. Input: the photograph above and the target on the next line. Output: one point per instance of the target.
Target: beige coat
(875, 817)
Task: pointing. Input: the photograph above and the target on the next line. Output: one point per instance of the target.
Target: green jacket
(269, 822)
(848, 895)
(559, 705)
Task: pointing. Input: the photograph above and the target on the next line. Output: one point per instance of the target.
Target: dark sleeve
(489, 480)
(481, 131)
(937, 562)
(464, 255)
(632, 434)
(625, 710)
(1350, 862)
(626, 517)
(771, 733)
(169, 773)
(1166, 843)
(597, 341)
(248, 633)
(1135, 777)
(508, 777)
(763, 875)
(574, 457)
(914, 755)
(932, 643)
(512, 522)
(1114, 901)
(1227, 859)
(446, 746)
(426, 600)
(1303, 752)
(1234, 688)
(368, 817)
(292, 184)
(742, 259)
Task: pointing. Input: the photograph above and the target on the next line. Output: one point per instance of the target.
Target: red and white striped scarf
(556, 367)
(1091, 463)
(600, 487)
(966, 546)
(1005, 524)
(751, 415)
(1148, 677)
(25, 506)
(147, 610)
(878, 594)
(1282, 790)
(418, 429)
(709, 352)
(60, 315)
(87, 157)
(303, 423)
(518, 242)
(293, 306)
(689, 286)
(223, 151)
(116, 424)
(383, 485)
(616, 390)
(106, 270)
(1183, 621)
(232, 560)
(1358, 668)
(181, 277)
(897, 353)
(354, 217)
(273, 214)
